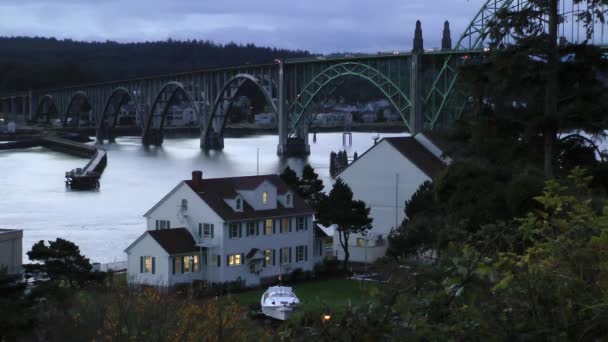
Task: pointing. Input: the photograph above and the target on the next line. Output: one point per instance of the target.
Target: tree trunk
(549, 129)
(344, 243)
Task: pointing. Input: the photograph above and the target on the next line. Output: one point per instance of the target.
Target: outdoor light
(326, 317)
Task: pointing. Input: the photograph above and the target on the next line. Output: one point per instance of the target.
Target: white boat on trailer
(279, 302)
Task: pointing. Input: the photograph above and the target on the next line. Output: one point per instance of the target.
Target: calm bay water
(104, 223)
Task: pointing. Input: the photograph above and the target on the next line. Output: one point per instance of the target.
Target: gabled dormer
(263, 197)
(286, 199)
(237, 203)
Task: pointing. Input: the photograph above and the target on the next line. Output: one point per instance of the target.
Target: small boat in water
(279, 302)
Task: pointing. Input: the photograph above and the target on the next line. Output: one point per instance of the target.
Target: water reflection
(104, 223)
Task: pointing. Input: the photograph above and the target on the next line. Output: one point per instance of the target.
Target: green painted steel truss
(389, 76)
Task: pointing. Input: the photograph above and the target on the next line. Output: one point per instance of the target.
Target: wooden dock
(87, 177)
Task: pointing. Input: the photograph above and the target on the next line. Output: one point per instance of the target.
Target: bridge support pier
(212, 141)
(153, 137)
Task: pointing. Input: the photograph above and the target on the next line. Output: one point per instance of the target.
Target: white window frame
(208, 230)
(163, 224)
(300, 253)
(230, 227)
(286, 261)
(288, 200)
(300, 223)
(253, 225)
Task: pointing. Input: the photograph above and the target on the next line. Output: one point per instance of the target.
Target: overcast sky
(316, 25)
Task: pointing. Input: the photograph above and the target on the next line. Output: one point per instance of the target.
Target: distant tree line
(34, 62)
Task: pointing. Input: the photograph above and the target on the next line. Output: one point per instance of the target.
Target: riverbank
(231, 131)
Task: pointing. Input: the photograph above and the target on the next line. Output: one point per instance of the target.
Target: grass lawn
(336, 293)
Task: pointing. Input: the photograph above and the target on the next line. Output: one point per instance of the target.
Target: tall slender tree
(350, 216)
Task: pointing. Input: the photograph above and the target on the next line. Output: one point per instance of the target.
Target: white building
(248, 229)
(264, 119)
(385, 177)
(11, 245)
(180, 115)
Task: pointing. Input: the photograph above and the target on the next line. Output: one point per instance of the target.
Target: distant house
(248, 229)
(180, 115)
(385, 177)
(264, 119)
(11, 245)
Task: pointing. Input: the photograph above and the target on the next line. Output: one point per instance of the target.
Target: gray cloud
(316, 25)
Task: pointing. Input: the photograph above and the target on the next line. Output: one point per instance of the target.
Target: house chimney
(197, 180)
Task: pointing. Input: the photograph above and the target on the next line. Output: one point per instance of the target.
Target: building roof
(418, 155)
(414, 152)
(322, 231)
(11, 234)
(213, 191)
(175, 240)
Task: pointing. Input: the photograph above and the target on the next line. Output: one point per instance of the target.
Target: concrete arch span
(213, 126)
(152, 132)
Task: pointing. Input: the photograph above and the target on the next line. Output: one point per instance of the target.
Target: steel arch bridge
(420, 85)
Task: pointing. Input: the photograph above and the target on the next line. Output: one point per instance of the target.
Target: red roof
(214, 190)
(175, 240)
(417, 154)
(414, 152)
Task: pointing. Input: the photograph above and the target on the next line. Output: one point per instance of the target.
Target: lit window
(360, 242)
(285, 256)
(238, 204)
(148, 264)
(234, 259)
(268, 227)
(195, 265)
(268, 257)
(265, 197)
(288, 200)
(186, 264)
(285, 225)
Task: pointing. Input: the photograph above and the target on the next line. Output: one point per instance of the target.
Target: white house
(11, 245)
(249, 229)
(264, 119)
(180, 115)
(384, 177)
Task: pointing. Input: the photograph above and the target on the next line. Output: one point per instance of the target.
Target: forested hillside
(47, 62)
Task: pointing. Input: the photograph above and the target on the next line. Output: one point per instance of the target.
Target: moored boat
(279, 302)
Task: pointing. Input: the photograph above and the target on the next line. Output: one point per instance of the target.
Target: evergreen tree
(350, 216)
(290, 177)
(311, 187)
(535, 86)
(60, 261)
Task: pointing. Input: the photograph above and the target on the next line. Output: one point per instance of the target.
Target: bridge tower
(416, 118)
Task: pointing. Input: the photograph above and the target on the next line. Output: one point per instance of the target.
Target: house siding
(263, 242)
(373, 180)
(147, 246)
(221, 244)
